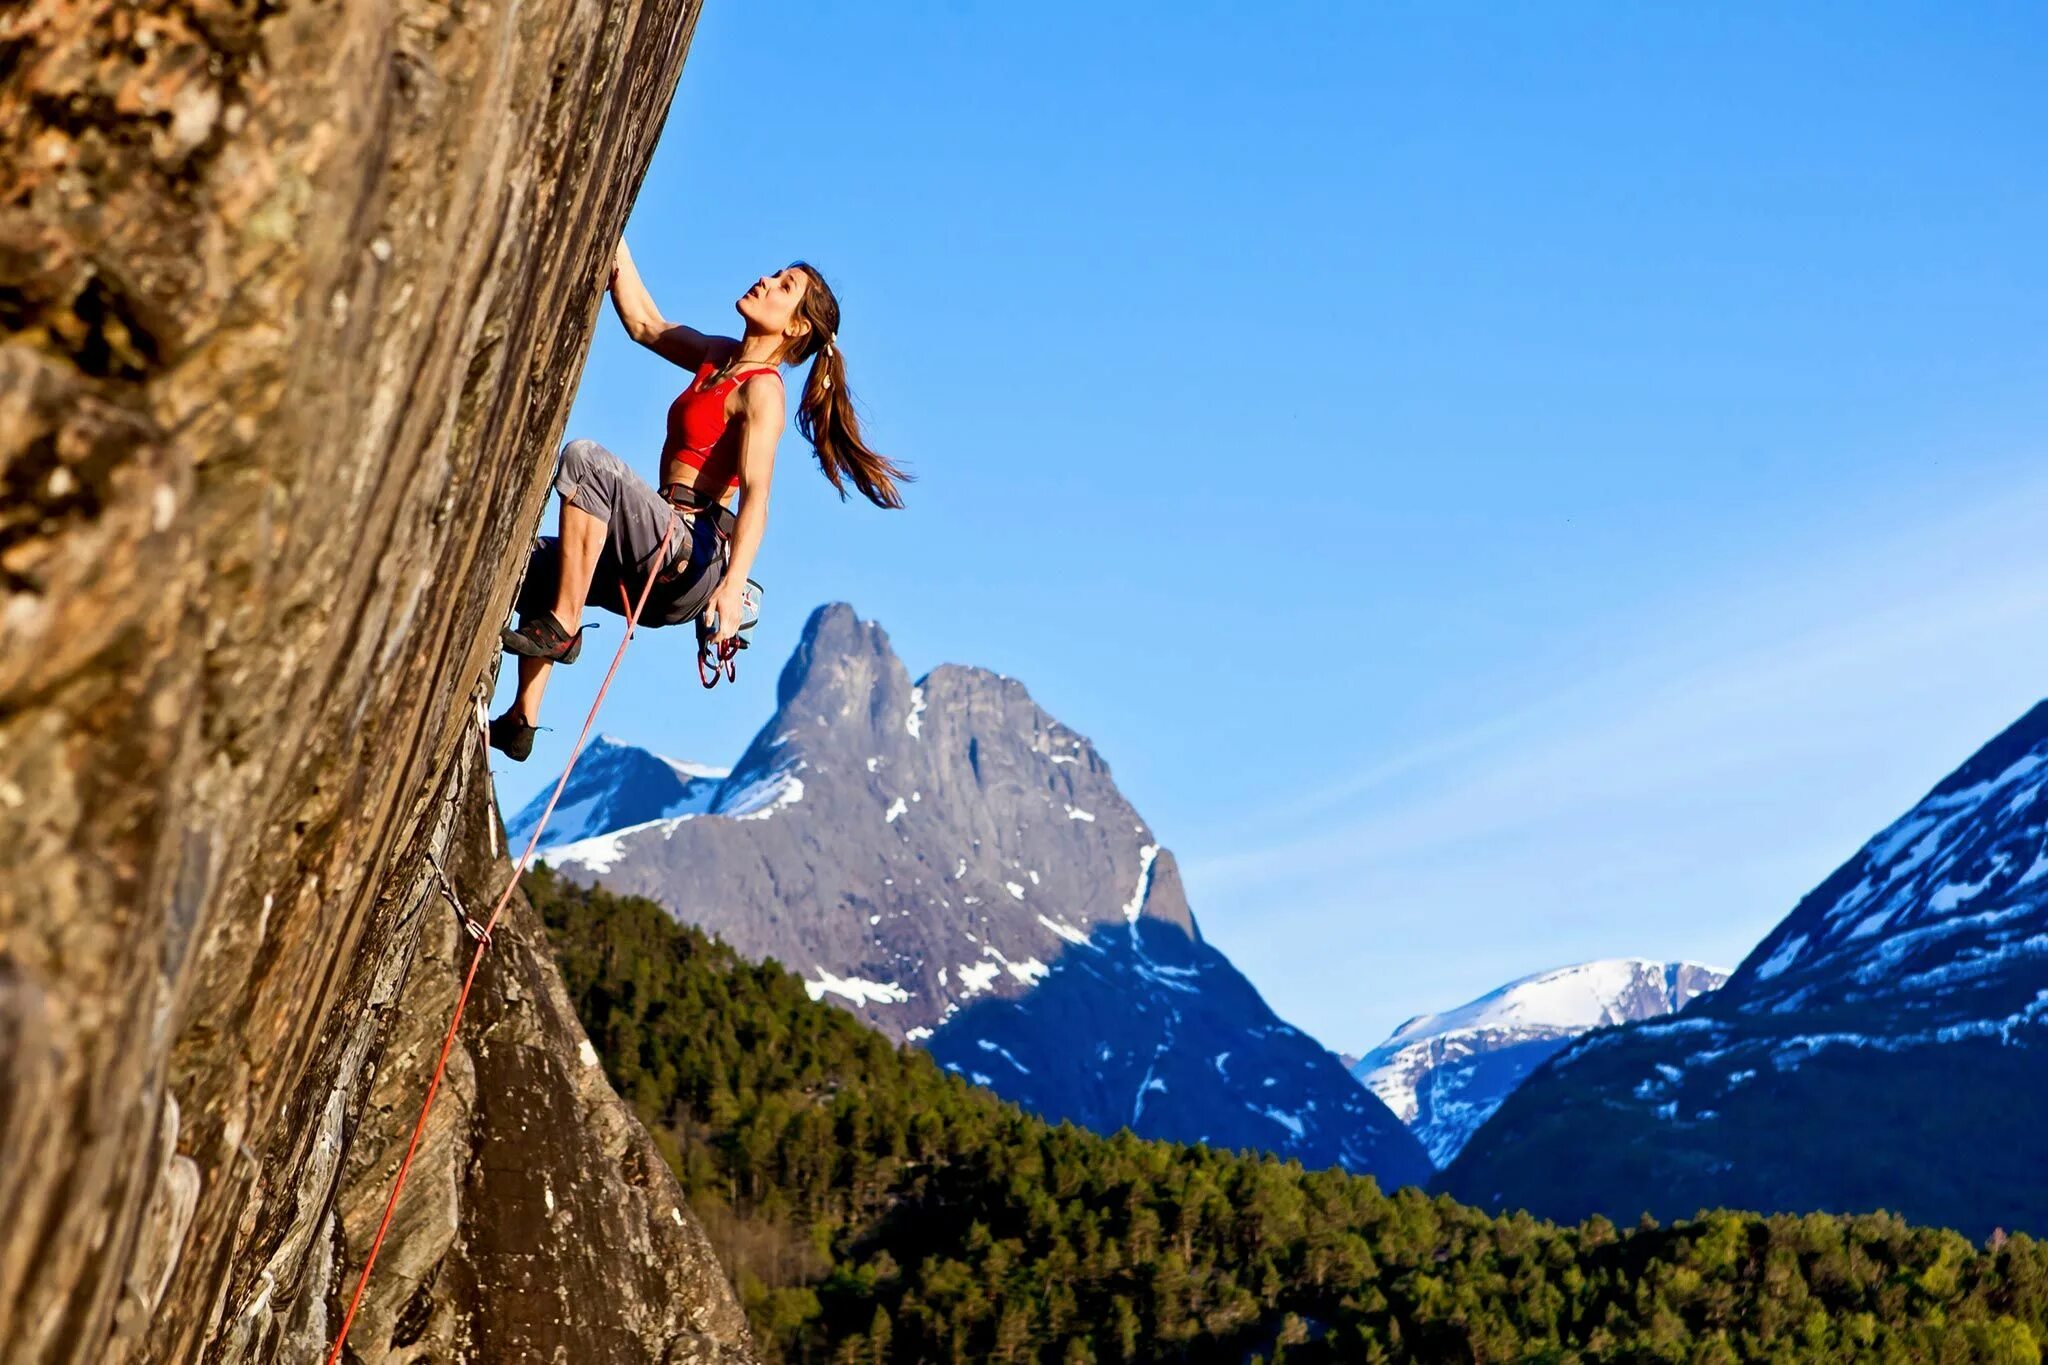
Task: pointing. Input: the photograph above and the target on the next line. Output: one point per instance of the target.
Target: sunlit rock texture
(293, 296)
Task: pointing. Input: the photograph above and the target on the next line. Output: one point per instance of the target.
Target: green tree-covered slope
(875, 1208)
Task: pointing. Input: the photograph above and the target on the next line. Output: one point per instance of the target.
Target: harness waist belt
(692, 503)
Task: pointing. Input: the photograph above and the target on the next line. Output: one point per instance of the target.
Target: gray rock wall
(539, 1221)
(294, 296)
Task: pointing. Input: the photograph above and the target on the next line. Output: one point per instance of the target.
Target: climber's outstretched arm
(684, 346)
(762, 413)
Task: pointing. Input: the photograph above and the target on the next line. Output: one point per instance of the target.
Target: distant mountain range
(615, 785)
(956, 867)
(1444, 1074)
(1886, 1046)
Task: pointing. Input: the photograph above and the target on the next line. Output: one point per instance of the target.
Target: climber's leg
(533, 682)
(582, 540)
(588, 478)
(513, 731)
(613, 526)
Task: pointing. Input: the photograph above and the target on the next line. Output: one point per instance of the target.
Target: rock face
(1444, 1074)
(1884, 1047)
(958, 868)
(539, 1222)
(294, 296)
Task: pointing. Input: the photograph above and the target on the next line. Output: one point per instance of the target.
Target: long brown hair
(825, 414)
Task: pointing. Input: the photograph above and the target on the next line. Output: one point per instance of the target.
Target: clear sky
(1502, 485)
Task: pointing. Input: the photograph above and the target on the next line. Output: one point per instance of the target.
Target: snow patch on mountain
(688, 772)
(1787, 954)
(854, 989)
(762, 798)
(601, 852)
(1136, 903)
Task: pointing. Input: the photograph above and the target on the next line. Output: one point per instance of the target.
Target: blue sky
(1501, 485)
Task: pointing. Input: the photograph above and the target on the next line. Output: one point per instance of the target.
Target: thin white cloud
(1690, 787)
(1736, 716)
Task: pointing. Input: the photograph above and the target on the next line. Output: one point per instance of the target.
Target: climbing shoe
(542, 637)
(513, 737)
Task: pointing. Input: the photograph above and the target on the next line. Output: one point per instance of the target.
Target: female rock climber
(721, 439)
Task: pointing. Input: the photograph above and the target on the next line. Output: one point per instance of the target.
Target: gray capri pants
(635, 516)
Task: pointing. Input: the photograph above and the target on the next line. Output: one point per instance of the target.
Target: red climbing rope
(483, 938)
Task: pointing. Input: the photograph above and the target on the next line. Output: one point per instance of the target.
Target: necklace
(737, 363)
(730, 368)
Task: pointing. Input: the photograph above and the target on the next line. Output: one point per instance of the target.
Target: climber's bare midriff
(675, 472)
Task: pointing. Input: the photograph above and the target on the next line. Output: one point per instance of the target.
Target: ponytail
(825, 414)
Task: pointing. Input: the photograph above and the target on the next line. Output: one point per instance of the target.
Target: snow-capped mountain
(1885, 1046)
(1444, 1074)
(1143, 1025)
(958, 868)
(616, 784)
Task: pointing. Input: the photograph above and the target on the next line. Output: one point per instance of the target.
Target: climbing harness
(482, 935)
(716, 658)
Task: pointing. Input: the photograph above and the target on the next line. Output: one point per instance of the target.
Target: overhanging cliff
(294, 296)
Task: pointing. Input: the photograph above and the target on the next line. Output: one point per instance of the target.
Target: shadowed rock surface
(294, 296)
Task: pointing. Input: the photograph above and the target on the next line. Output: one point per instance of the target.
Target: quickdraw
(718, 659)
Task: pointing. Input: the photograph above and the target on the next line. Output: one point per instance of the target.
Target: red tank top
(698, 433)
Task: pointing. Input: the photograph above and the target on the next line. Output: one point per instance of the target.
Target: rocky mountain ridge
(616, 785)
(1882, 1047)
(951, 863)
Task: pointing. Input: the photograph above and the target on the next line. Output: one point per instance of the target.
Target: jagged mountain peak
(963, 703)
(1010, 821)
(838, 653)
(682, 768)
(928, 853)
(845, 688)
(616, 784)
